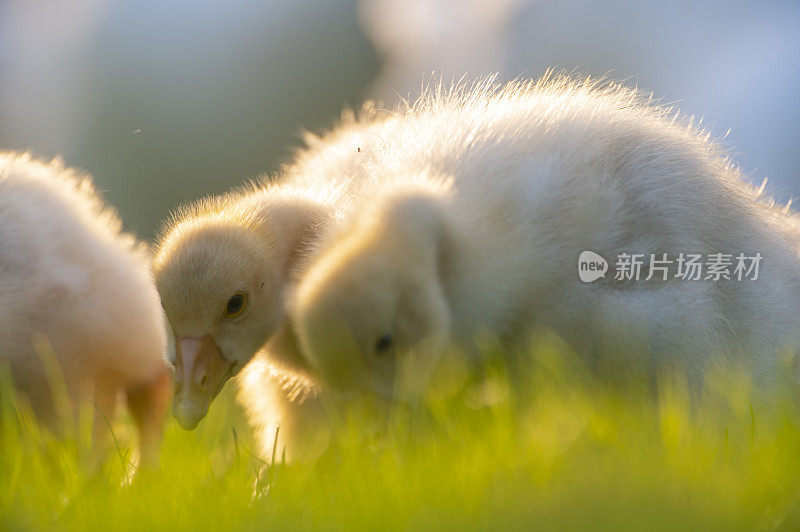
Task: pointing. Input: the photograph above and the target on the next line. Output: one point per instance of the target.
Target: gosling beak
(200, 373)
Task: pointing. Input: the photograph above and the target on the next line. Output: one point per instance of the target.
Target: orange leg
(148, 404)
(105, 406)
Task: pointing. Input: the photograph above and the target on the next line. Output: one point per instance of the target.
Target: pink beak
(200, 373)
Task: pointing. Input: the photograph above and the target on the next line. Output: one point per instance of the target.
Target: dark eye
(384, 344)
(235, 305)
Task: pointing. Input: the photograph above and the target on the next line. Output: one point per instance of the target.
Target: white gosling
(224, 267)
(76, 296)
(487, 197)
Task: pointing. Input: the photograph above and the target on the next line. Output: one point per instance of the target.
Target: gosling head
(221, 286)
(371, 313)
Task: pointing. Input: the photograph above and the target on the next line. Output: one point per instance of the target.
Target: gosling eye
(384, 344)
(235, 305)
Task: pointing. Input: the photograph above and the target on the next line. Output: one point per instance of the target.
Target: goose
(79, 313)
(488, 198)
(224, 267)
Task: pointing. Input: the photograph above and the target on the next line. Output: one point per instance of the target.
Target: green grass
(555, 450)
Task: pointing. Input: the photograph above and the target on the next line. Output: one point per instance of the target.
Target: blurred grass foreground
(552, 446)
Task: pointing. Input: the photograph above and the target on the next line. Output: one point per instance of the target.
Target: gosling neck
(290, 226)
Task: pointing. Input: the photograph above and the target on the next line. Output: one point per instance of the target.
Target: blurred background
(165, 101)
